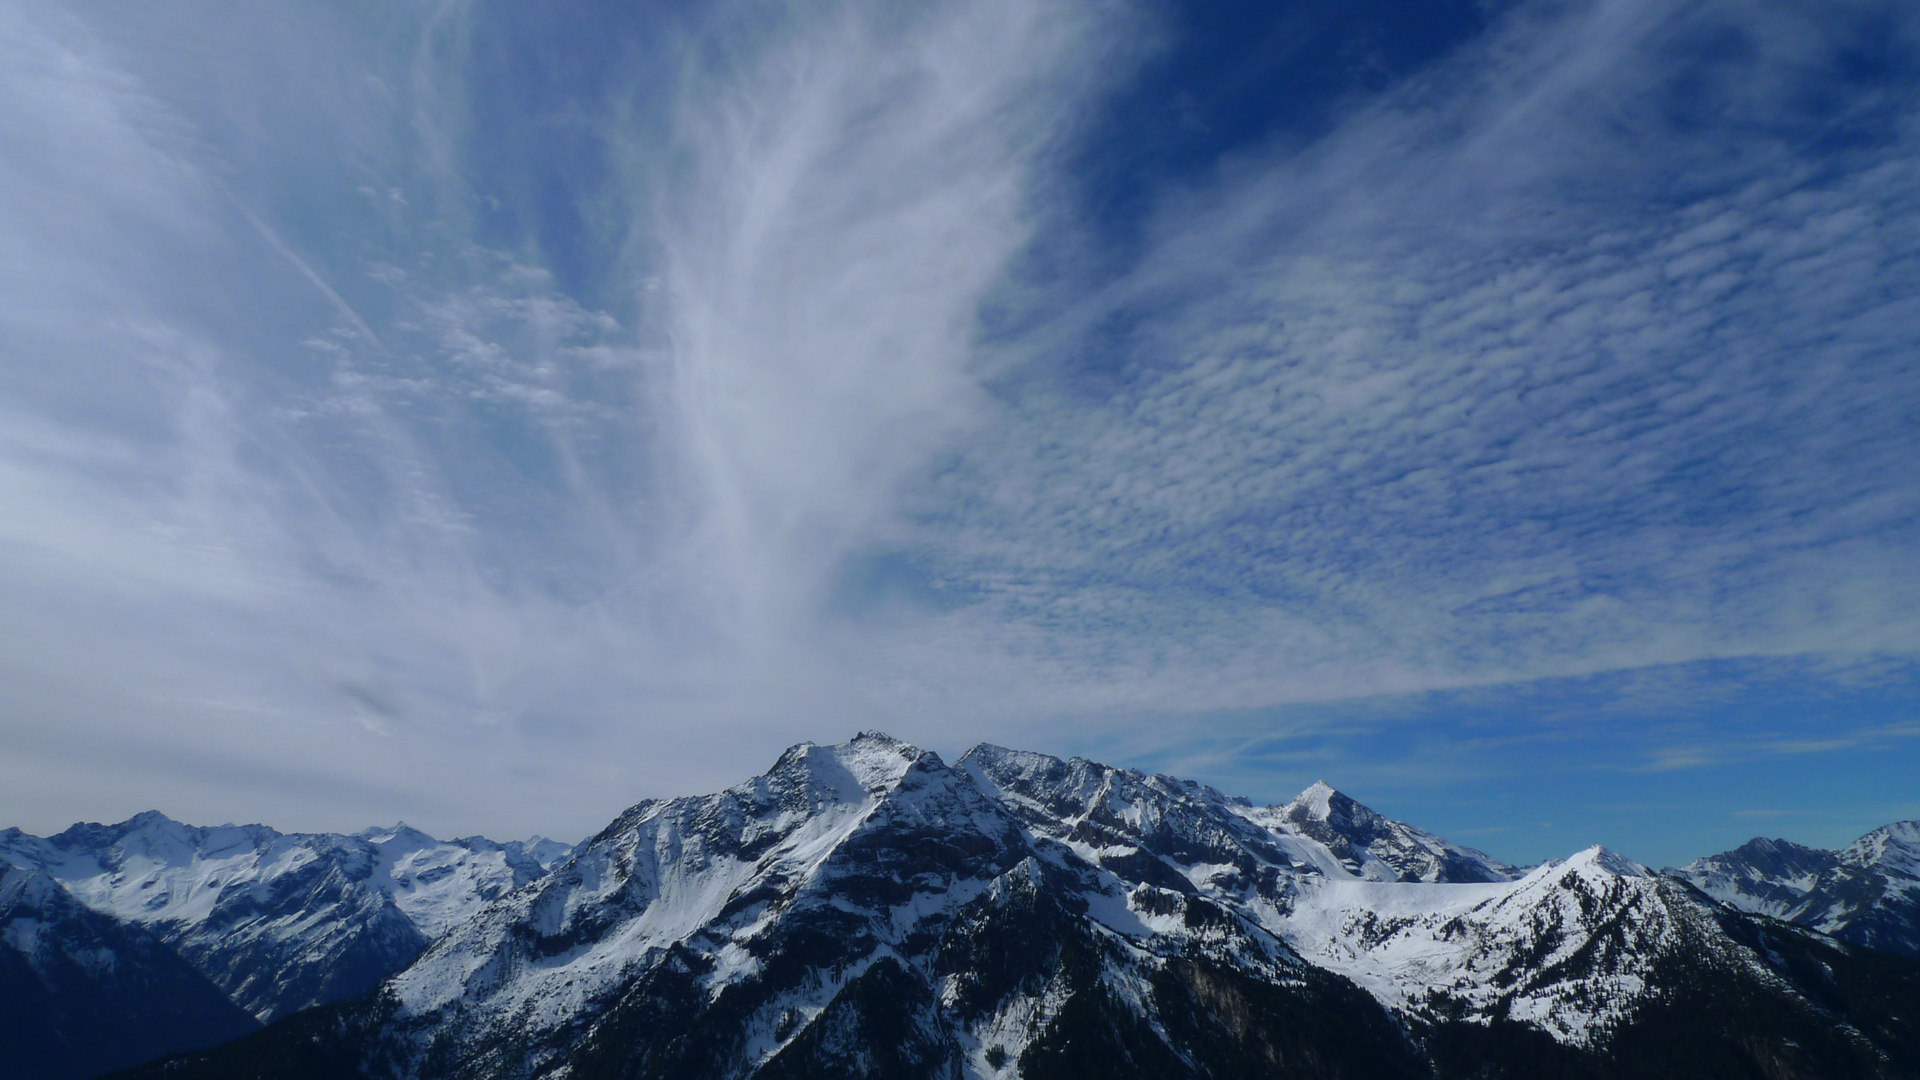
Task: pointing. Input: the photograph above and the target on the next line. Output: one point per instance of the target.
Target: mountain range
(1867, 892)
(870, 910)
(82, 992)
(236, 925)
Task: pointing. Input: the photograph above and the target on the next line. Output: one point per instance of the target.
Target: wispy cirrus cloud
(412, 480)
(1749, 746)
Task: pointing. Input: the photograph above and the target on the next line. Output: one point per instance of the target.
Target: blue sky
(491, 414)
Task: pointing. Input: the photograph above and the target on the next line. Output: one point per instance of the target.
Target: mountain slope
(81, 992)
(867, 910)
(1584, 952)
(1605, 957)
(1868, 892)
(281, 922)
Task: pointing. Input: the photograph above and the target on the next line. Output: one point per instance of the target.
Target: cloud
(1517, 374)
(393, 408)
(1750, 747)
(382, 492)
(823, 252)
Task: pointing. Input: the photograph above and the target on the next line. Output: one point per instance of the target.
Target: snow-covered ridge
(86, 993)
(152, 869)
(1322, 831)
(440, 884)
(669, 870)
(1570, 948)
(282, 921)
(1867, 892)
(1403, 913)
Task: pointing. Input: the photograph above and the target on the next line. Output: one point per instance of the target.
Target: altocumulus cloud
(1547, 362)
(402, 406)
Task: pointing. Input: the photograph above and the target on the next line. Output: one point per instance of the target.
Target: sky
(490, 414)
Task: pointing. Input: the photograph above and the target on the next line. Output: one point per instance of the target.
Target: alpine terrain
(870, 910)
(119, 943)
(81, 992)
(1867, 893)
(282, 922)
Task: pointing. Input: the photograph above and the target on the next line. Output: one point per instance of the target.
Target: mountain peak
(380, 835)
(1899, 841)
(144, 828)
(1323, 803)
(1318, 800)
(876, 737)
(994, 757)
(1862, 893)
(987, 751)
(1606, 860)
(868, 763)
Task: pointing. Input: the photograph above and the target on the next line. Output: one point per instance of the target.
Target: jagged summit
(1777, 856)
(1895, 846)
(870, 762)
(872, 737)
(1369, 845)
(21, 886)
(1321, 803)
(399, 833)
(1322, 831)
(1593, 860)
(1317, 801)
(992, 752)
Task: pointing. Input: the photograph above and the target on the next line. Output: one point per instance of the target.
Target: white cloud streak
(843, 209)
(399, 516)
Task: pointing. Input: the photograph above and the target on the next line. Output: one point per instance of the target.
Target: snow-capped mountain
(82, 992)
(1120, 818)
(1377, 849)
(1767, 877)
(863, 909)
(1867, 892)
(282, 922)
(439, 884)
(867, 910)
